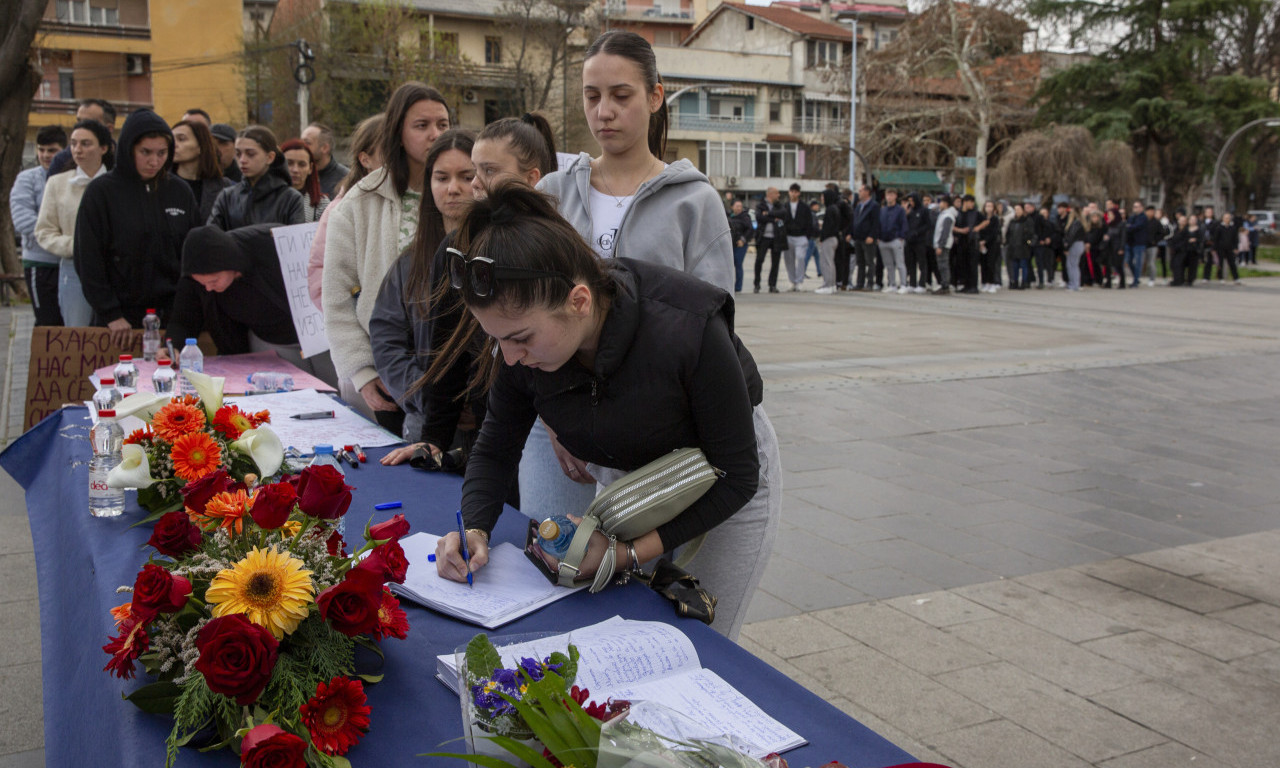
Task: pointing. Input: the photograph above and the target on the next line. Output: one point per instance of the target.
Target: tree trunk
(980, 159)
(18, 82)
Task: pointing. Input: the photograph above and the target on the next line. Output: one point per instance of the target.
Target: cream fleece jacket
(56, 225)
(359, 248)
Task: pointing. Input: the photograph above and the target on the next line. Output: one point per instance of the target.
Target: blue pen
(388, 505)
(462, 536)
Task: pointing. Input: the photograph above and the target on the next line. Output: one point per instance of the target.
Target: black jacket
(765, 215)
(866, 221)
(206, 192)
(740, 228)
(256, 301)
(798, 225)
(831, 219)
(1021, 240)
(669, 373)
(401, 336)
(331, 177)
(129, 233)
(919, 231)
(271, 201)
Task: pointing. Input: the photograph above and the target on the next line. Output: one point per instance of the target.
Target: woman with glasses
(626, 361)
(399, 327)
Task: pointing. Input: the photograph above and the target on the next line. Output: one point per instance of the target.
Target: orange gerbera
(232, 422)
(187, 400)
(177, 419)
(260, 418)
(121, 612)
(139, 436)
(227, 510)
(194, 456)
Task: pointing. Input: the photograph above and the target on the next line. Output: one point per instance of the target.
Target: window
(775, 111)
(822, 53)
(443, 46)
(731, 158)
(666, 37)
(81, 12)
(751, 23)
(884, 37)
(66, 84)
(493, 50)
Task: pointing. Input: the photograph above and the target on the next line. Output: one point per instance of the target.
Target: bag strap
(569, 564)
(690, 551)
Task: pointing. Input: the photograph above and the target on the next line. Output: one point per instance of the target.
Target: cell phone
(533, 552)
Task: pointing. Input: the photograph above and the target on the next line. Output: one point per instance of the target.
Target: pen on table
(466, 557)
(313, 415)
(349, 456)
(388, 505)
(360, 453)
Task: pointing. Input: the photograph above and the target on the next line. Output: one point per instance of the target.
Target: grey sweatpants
(734, 554)
(827, 257)
(893, 253)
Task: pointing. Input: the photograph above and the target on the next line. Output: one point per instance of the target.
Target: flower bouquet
(188, 438)
(248, 615)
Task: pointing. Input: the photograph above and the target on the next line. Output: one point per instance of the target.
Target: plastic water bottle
(324, 456)
(107, 397)
(555, 534)
(126, 375)
(108, 441)
(150, 336)
(270, 381)
(190, 359)
(162, 379)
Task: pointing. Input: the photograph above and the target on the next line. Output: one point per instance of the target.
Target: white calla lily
(142, 404)
(209, 389)
(264, 447)
(133, 471)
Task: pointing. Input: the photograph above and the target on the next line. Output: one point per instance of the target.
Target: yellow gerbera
(270, 588)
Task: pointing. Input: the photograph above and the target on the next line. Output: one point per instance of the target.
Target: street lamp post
(1218, 204)
(853, 102)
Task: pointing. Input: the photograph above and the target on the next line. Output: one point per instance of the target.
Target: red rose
(175, 535)
(337, 547)
(236, 657)
(391, 529)
(272, 505)
(323, 493)
(270, 746)
(158, 591)
(387, 562)
(197, 493)
(351, 606)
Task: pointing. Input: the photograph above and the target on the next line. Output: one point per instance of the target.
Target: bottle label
(98, 488)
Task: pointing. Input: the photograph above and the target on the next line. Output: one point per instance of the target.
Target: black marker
(313, 415)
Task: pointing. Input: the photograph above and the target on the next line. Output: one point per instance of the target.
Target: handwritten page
(705, 698)
(293, 247)
(507, 588)
(345, 428)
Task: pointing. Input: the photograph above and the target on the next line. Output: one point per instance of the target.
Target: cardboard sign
(293, 247)
(61, 361)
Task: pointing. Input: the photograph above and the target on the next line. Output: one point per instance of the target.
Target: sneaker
(773, 289)
(919, 289)
(904, 289)
(826, 290)
(888, 289)
(1151, 283)
(943, 291)
(1237, 282)
(757, 289)
(795, 287)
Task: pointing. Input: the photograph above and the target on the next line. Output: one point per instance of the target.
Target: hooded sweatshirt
(129, 233)
(675, 219)
(256, 301)
(272, 200)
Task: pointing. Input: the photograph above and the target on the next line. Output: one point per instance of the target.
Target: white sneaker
(904, 289)
(919, 289)
(1151, 283)
(888, 289)
(826, 290)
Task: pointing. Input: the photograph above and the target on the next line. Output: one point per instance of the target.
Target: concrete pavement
(1030, 529)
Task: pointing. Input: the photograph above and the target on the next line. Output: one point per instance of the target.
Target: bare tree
(19, 79)
(1065, 159)
(543, 31)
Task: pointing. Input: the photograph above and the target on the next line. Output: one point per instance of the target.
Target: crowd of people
(916, 243)
(479, 299)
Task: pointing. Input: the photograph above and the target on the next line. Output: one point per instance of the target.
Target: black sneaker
(757, 289)
(773, 289)
(943, 291)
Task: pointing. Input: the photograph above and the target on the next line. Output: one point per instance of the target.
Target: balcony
(823, 125)
(717, 123)
(629, 10)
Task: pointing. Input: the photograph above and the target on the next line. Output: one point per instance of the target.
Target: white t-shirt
(606, 216)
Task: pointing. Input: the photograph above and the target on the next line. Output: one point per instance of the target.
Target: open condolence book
(507, 588)
(651, 661)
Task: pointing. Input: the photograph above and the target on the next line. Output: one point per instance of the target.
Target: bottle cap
(163, 361)
(151, 311)
(549, 529)
(317, 449)
(126, 358)
(109, 413)
(107, 380)
(191, 342)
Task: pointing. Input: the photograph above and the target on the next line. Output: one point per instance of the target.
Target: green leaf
(482, 657)
(371, 678)
(522, 751)
(156, 698)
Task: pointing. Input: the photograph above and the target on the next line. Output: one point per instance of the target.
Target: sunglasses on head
(480, 275)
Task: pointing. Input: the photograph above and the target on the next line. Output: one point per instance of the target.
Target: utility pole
(853, 102)
(305, 75)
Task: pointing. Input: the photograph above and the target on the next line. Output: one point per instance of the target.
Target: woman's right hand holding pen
(449, 562)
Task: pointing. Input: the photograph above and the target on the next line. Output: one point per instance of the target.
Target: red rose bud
(337, 547)
(270, 746)
(158, 591)
(394, 528)
(175, 534)
(272, 505)
(323, 492)
(196, 494)
(351, 606)
(387, 562)
(236, 657)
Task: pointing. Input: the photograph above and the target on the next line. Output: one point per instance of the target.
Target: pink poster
(236, 369)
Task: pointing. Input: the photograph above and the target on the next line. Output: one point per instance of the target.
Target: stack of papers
(651, 661)
(507, 588)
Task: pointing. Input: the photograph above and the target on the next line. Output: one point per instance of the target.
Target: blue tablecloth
(80, 560)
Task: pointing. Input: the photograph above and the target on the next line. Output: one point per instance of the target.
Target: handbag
(637, 503)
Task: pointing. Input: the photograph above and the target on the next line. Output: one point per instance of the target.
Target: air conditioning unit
(134, 64)
(786, 94)
(470, 97)
(733, 181)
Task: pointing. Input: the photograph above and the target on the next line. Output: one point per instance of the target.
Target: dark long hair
(209, 166)
(311, 186)
(266, 138)
(431, 232)
(103, 135)
(365, 138)
(631, 46)
(529, 139)
(394, 158)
